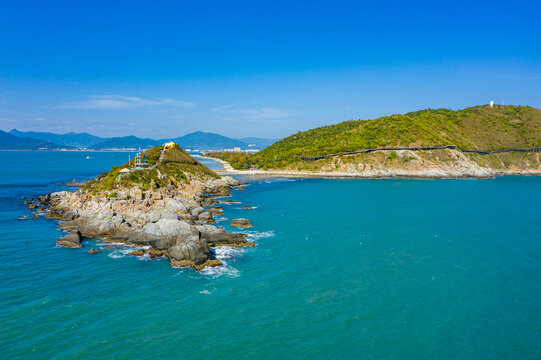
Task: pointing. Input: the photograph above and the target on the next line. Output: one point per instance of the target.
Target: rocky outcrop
(93, 251)
(217, 236)
(71, 240)
(216, 210)
(240, 222)
(170, 222)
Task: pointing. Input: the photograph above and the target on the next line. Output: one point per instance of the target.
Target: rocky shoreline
(171, 222)
(460, 167)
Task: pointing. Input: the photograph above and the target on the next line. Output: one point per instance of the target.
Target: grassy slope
(479, 127)
(175, 164)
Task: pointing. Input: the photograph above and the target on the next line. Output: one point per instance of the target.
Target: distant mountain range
(32, 140)
(125, 142)
(12, 142)
(207, 141)
(76, 140)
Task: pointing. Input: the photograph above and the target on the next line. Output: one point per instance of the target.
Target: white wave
(220, 219)
(224, 270)
(279, 180)
(146, 257)
(206, 292)
(256, 235)
(116, 254)
(223, 253)
(226, 252)
(107, 244)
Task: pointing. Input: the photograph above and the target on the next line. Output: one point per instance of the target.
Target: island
(163, 201)
(480, 141)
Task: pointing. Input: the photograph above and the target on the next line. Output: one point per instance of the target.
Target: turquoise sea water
(357, 269)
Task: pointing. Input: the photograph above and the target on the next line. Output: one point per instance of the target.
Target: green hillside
(172, 166)
(477, 128)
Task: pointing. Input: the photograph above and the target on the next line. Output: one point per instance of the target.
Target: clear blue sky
(257, 68)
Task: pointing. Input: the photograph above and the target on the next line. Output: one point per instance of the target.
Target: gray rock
(198, 210)
(151, 230)
(72, 240)
(169, 216)
(106, 227)
(105, 215)
(170, 227)
(154, 216)
(59, 194)
(117, 220)
(209, 229)
(162, 234)
(190, 247)
(218, 236)
(205, 216)
(176, 205)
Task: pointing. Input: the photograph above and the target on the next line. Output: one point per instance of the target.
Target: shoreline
(227, 169)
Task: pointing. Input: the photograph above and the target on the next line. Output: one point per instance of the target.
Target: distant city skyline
(262, 69)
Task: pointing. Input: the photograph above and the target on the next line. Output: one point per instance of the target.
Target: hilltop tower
(140, 161)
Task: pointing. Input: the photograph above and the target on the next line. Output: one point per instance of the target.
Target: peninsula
(162, 201)
(480, 141)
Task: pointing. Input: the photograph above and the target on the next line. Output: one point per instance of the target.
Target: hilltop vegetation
(172, 166)
(478, 128)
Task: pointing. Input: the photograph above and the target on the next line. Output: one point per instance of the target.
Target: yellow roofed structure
(169, 145)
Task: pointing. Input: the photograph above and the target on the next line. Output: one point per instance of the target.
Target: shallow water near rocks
(392, 268)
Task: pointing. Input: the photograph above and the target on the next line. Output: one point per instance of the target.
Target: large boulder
(179, 240)
(240, 222)
(169, 215)
(161, 235)
(205, 217)
(106, 227)
(176, 205)
(217, 236)
(198, 210)
(154, 216)
(190, 247)
(71, 240)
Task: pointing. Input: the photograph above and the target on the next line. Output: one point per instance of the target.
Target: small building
(124, 171)
(169, 145)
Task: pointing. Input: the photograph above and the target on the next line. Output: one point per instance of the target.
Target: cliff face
(426, 163)
(160, 201)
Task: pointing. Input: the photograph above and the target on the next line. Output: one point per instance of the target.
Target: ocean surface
(344, 269)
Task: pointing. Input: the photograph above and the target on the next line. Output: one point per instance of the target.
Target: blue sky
(257, 68)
